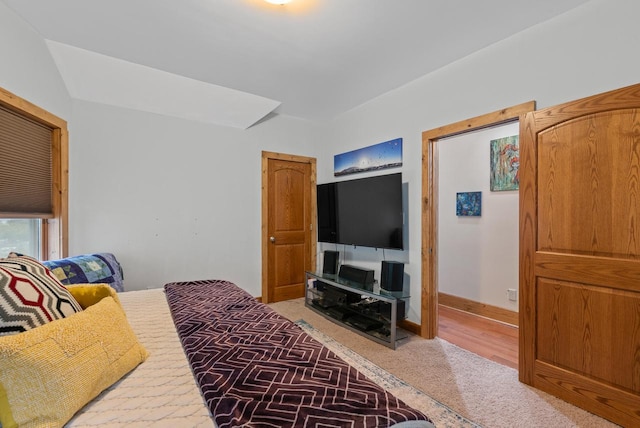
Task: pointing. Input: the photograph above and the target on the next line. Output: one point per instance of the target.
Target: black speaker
(392, 276)
(330, 262)
(363, 277)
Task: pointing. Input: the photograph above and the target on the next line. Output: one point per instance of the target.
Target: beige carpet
(485, 392)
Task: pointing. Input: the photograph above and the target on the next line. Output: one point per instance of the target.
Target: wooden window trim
(55, 230)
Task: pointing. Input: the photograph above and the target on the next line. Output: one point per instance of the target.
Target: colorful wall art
(505, 161)
(379, 156)
(469, 203)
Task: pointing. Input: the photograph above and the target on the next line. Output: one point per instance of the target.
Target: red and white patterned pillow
(31, 296)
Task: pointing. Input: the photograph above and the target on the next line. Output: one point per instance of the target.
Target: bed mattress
(161, 392)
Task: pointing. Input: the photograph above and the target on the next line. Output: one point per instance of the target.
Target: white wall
(583, 52)
(174, 199)
(477, 256)
(27, 69)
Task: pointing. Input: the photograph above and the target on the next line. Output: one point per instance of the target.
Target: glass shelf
(365, 309)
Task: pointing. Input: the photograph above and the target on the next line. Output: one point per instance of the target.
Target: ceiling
(312, 59)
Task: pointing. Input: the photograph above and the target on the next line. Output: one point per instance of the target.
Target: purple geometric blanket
(256, 368)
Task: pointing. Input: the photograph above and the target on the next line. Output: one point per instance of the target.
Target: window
(33, 180)
(20, 235)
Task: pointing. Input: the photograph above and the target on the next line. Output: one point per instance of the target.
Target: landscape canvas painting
(505, 162)
(468, 204)
(379, 156)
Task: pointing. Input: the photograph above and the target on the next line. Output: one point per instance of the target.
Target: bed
(207, 354)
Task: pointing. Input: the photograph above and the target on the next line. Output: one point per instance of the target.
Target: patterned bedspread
(256, 368)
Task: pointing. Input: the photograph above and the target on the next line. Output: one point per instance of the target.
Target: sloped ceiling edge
(94, 77)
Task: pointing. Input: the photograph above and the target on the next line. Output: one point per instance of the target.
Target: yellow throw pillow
(50, 372)
(90, 294)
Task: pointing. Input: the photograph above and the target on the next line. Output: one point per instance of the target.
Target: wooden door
(289, 239)
(580, 253)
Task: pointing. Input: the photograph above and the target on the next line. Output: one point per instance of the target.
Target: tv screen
(364, 212)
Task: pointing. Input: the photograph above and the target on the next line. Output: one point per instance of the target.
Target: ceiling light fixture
(280, 2)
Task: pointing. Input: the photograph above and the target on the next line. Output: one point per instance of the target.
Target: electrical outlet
(512, 294)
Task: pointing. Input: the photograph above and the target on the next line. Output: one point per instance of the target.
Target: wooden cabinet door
(580, 253)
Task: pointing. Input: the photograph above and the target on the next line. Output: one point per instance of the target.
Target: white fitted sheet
(161, 392)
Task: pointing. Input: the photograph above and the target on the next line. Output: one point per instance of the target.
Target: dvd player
(363, 323)
(340, 312)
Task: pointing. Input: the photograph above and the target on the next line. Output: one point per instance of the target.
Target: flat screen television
(364, 212)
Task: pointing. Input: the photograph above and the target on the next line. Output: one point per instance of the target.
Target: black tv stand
(365, 309)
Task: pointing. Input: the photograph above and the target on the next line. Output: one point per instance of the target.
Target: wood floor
(490, 339)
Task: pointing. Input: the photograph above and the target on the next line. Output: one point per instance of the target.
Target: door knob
(272, 239)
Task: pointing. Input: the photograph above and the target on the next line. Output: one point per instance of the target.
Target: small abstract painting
(379, 156)
(469, 204)
(505, 161)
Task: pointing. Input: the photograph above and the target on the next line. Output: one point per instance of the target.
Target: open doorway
(477, 220)
(431, 200)
(477, 241)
